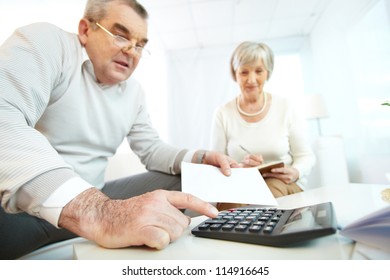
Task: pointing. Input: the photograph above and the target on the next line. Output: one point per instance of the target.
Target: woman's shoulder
(226, 107)
(282, 101)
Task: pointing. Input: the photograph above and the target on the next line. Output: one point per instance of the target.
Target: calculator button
(215, 227)
(203, 227)
(227, 227)
(271, 224)
(268, 229)
(227, 217)
(241, 228)
(215, 221)
(264, 219)
(254, 228)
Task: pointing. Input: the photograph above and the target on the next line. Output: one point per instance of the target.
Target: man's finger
(224, 164)
(155, 237)
(187, 201)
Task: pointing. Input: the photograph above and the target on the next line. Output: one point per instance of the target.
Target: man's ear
(84, 26)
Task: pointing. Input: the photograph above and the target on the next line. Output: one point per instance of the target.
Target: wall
(348, 61)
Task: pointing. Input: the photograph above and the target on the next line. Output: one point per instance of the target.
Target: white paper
(373, 229)
(244, 185)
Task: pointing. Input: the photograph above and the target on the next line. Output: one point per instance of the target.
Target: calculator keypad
(268, 226)
(255, 220)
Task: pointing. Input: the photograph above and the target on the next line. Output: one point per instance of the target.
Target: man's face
(113, 64)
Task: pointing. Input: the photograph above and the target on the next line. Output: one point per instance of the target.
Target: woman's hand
(251, 161)
(285, 174)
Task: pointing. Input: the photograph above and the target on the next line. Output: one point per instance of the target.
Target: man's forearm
(84, 214)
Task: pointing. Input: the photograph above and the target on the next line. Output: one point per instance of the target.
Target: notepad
(268, 166)
(244, 185)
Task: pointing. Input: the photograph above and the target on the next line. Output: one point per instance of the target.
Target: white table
(351, 201)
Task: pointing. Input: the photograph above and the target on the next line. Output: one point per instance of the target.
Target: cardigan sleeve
(30, 62)
(146, 143)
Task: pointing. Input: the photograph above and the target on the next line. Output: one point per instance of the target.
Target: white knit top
(280, 136)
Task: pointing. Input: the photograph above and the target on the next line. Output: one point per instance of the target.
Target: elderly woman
(257, 126)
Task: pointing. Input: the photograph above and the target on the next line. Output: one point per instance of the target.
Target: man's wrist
(83, 215)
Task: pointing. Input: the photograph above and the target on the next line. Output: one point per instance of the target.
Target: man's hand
(151, 219)
(220, 160)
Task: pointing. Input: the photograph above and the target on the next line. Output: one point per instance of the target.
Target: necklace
(253, 114)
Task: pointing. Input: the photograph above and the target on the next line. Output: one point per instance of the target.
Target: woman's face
(251, 78)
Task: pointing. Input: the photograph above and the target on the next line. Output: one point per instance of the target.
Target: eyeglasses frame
(140, 51)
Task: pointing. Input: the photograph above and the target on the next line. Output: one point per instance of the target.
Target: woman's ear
(84, 26)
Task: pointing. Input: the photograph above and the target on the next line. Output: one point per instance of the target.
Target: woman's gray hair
(249, 53)
(95, 10)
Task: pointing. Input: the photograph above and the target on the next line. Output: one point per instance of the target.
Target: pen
(245, 150)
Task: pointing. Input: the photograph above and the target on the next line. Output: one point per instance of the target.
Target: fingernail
(214, 211)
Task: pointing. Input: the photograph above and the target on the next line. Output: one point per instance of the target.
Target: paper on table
(244, 185)
(372, 230)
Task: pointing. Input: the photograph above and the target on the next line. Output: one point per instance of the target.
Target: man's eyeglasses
(125, 44)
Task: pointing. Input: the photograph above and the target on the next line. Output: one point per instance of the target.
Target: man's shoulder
(37, 27)
(48, 36)
(44, 31)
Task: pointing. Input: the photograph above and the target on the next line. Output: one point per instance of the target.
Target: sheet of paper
(244, 185)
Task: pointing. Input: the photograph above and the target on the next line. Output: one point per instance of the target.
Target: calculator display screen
(302, 219)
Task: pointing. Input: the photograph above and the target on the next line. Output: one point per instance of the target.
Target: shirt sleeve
(51, 209)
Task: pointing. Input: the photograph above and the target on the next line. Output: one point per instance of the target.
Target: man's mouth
(122, 63)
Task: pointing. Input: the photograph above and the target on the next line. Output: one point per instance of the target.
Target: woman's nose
(251, 78)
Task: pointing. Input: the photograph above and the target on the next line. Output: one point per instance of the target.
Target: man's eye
(121, 38)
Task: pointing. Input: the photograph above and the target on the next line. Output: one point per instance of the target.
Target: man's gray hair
(95, 10)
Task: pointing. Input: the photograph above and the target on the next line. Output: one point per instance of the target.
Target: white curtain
(199, 81)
